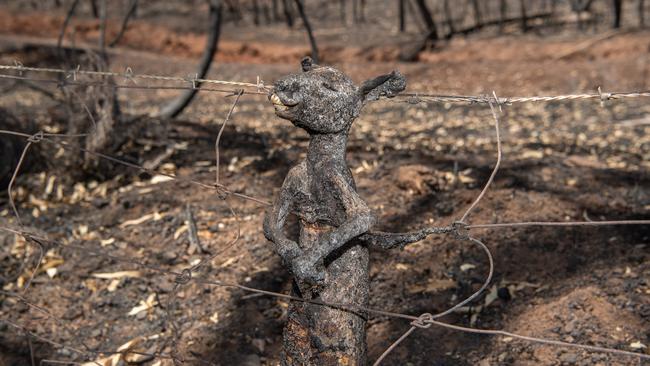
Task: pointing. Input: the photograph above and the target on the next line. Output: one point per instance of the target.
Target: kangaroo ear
(388, 85)
(307, 64)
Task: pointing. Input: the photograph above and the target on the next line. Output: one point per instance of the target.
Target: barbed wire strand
(129, 75)
(260, 88)
(113, 85)
(558, 223)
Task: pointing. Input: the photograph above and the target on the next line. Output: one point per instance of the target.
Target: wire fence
(459, 229)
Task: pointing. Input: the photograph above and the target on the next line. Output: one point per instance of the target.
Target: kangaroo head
(324, 100)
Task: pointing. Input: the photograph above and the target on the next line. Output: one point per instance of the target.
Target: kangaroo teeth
(276, 100)
(277, 103)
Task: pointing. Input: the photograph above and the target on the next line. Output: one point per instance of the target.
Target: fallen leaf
(145, 305)
(532, 154)
(466, 267)
(230, 261)
(160, 179)
(106, 242)
(113, 285)
(130, 344)
(120, 274)
(491, 296)
(152, 216)
(637, 345)
(214, 317)
(49, 188)
(180, 231)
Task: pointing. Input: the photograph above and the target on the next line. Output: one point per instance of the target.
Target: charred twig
(193, 233)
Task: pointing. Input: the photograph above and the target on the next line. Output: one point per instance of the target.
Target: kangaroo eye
(330, 87)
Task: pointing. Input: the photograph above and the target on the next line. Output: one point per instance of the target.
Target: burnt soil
(415, 164)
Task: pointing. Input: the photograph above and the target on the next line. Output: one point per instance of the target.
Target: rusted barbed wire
(129, 75)
(259, 88)
(458, 229)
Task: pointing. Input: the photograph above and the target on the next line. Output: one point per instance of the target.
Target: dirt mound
(585, 316)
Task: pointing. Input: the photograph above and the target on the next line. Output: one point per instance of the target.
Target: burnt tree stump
(329, 259)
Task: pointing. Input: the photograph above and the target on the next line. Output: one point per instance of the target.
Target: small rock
(251, 360)
(165, 286)
(569, 358)
(504, 294)
(96, 333)
(260, 344)
(502, 357)
(570, 326)
(169, 257)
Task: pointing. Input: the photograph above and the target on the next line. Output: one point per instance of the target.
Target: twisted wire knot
(460, 230)
(414, 99)
(37, 137)
(222, 192)
(184, 277)
(424, 321)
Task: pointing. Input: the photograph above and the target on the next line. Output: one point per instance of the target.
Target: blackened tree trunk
(425, 13)
(641, 13)
(579, 7)
(94, 9)
(524, 16)
(362, 11)
(310, 34)
(256, 13)
(431, 35)
(503, 12)
(266, 13)
(402, 16)
(288, 16)
(477, 14)
(618, 12)
(449, 18)
(275, 11)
